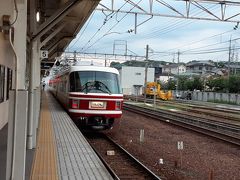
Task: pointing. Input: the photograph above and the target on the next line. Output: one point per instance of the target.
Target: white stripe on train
(94, 111)
(95, 99)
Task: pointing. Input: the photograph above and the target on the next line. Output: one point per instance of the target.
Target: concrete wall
(6, 8)
(213, 96)
(6, 59)
(130, 76)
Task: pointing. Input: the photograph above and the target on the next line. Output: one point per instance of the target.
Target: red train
(92, 95)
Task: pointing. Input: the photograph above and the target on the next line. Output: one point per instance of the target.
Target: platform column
(16, 149)
(31, 129)
(38, 83)
(17, 123)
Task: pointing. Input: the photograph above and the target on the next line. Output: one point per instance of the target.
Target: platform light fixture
(38, 16)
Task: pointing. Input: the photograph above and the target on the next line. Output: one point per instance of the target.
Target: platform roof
(60, 22)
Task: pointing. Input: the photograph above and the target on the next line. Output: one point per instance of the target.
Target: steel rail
(191, 124)
(129, 155)
(193, 104)
(216, 124)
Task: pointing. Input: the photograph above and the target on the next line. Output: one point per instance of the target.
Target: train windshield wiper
(97, 85)
(86, 87)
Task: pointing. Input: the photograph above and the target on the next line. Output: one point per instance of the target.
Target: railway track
(222, 114)
(121, 165)
(203, 105)
(191, 104)
(224, 131)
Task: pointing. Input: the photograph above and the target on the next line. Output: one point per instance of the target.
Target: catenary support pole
(146, 72)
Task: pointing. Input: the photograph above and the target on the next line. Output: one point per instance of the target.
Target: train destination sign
(97, 105)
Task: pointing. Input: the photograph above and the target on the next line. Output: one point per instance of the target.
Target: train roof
(93, 68)
(73, 68)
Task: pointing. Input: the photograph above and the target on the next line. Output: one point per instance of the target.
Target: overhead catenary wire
(189, 50)
(78, 38)
(209, 45)
(172, 27)
(195, 42)
(209, 52)
(112, 27)
(170, 53)
(104, 23)
(85, 48)
(175, 26)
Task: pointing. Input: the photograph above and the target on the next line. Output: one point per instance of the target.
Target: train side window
(72, 82)
(2, 82)
(64, 85)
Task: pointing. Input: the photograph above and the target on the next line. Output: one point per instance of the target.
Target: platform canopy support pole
(17, 122)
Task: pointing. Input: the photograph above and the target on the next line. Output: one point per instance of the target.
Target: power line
(210, 45)
(195, 42)
(83, 30)
(174, 26)
(127, 14)
(112, 26)
(104, 23)
(209, 52)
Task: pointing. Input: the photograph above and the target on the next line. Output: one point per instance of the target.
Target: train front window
(94, 82)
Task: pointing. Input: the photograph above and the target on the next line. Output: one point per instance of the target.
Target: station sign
(43, 54)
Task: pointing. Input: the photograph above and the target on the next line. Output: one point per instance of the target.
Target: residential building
(200, 67)
(173, 68)
(234, 68)
(165, 77)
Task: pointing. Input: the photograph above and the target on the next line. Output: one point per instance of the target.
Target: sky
(193, 39)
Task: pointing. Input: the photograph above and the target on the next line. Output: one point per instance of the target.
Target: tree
(197, 84)
(233, 84)
(182, 82)
(170, 85)
(217, 84)
(115, 64)
(188, 83)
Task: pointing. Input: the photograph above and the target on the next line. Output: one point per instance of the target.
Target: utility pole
(105, 60)
(236, 62)
(177, 72)
(146, 71)
(229, 59)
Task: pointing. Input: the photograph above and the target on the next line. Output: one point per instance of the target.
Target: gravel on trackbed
(202, 157)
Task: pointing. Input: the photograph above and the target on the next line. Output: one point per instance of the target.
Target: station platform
(62, 152)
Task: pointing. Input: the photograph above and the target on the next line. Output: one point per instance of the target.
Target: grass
(222, 102)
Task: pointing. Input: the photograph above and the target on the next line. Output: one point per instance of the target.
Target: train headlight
(75, 104)
(118, 105)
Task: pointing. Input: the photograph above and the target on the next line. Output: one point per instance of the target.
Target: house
(234, 68)
(219, 72)
(173, 68)
(165, 77)
(200, 67)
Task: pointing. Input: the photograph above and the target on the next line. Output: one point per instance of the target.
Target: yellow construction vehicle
(155, 88)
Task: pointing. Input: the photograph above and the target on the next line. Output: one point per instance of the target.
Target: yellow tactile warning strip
(45, 160)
